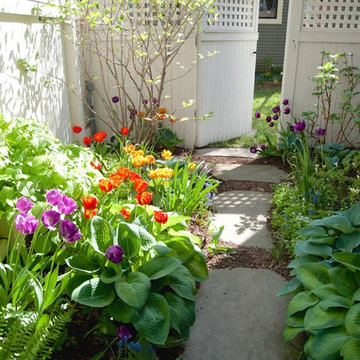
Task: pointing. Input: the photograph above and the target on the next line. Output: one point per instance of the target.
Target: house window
(270, 11)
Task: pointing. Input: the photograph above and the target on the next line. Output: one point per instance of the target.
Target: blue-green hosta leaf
(351, 349)
(325, 291)
(182, 246)
(182, 282)
(313, 231)
(174, 220)
(337, 222)
(353, 214)
(110, 275)
(344, 281)
(317, 318)
(356, 296)
(303, 260)
(327, 344)
(348, 242)
(313, 275)
(159, 266)
(137, 233)
(290, 288)
(350, 260)
(83, 263)
(301, 301)
(290, 333)
(123, 312)
(197, 266)
(154, 322)
(306, 248)
(328, 240)
(336, 301)
(101, 234)
(129, 243)
(352, 320)
(94, 293)
(133, 289)
(296, 320)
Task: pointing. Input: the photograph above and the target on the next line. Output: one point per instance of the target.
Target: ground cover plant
(117, 248)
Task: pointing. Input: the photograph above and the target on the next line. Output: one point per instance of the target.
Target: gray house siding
(272, 41)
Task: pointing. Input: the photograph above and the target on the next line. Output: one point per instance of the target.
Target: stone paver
(243, 213)
(265, 173)
(239, 317)
(237, 152)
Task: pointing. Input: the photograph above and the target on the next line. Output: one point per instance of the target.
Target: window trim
(278, 19)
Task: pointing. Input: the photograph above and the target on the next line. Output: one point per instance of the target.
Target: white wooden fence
(314, 26)
(25, 41)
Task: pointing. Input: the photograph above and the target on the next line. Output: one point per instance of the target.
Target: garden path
(239, 316)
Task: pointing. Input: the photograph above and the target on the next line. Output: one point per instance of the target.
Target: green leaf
(133, 289)
(174, 220)
(123, 312)
(329, 240)
(110, 275)
(83, 263)
(353, 214)
(154, 322)
(352, 320)
(325, 291)
(305, 247)
(136, 233)
(348, 242)
(337, 222)
(197, 266)
(351, 349)
(317, 318)
(183, 247)
(344, 281)
(159, 266)
(303, 260)
(336, 301)
(313, 231)
(182, 282)
(313, 275)
(327, 344)
(301, 301)
(296, 320)
(129, 243)
(356, 296)
(292, 287)
(101, 234)
(290, 333)
(93, 293)
(350, 260)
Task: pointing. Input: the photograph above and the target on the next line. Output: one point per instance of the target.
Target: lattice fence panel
(338, 15)
(232, 15)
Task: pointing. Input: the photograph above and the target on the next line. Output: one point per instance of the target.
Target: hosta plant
(326, 285)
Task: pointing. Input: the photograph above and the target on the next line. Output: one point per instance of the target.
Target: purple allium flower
(268, 118)
(154, 100)
(53, 196)
(262, 147)
(115, 99)
(123, 332)
(275, 117)
(50, 218)
(276, 109)
(299, 126)
(320, 132)
(145, 101)
(67, 205)
(257, 114)
(69, 231)
(114, 253)
(271, 124)
(287, 111)
(253, 149)
(24, 204)
(285, 101)
(26, 223)
(291, 128)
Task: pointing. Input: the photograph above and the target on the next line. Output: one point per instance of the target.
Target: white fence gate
(314, 26)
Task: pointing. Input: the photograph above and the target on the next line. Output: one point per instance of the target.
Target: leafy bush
(326, 285)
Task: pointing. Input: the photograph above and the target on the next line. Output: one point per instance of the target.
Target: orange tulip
(105, 185)
(116, 180)
(129, 148)
(96, 166)
(160, 217)
(89, 202)
(124, 172)
(100, 136)
(138, 161)
(141, 114)
(88, 214)
(144, 198)
(124, 130)
(126, 213)
(140, 185)
(166, 155)
(134, 175)
(162, 110)
(77, 129)
(87, 141)
(149, 159)
(137, 153)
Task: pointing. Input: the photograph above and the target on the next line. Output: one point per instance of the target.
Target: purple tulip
(115, 99)
(26, 223)
(262, 147)
(123, 332)
(24, 204)
(320, 132)
(287, 111)
(285, 101)
(253, 149)
(271, 124)
(276, 109)
(268, 118)
(69, 231)
(275, 117)
(257, 114)
(50, 218)
(299, 126)
(291, 128)
(154, 100)
(67, 205)
(53, 196)
(114, 253)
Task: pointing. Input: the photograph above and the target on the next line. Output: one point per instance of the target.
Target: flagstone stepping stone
(237, 152)
(266, 173)
(239, 317)
(243, 214)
